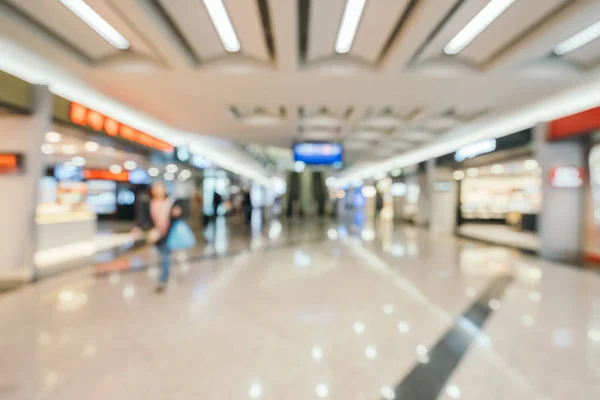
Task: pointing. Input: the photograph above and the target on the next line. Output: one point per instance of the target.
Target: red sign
(576, 124)
(10, 163)
(566, 177)
(81, 115)
(106, 175)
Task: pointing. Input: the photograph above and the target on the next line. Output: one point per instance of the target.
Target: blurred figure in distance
(158, 217)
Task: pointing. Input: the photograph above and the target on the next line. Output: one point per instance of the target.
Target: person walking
(158, 217)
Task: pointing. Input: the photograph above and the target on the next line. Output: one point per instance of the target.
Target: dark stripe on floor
(426, 381)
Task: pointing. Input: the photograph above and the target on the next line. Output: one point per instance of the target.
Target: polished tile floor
(310, 311)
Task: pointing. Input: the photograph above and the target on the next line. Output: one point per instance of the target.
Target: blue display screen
(318, 153)
(139, 177)
(68, 172)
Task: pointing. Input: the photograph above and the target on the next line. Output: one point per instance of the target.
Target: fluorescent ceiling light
(584, 37)
(477, 25)
(220, 19)
(97, 23)
(349, 25)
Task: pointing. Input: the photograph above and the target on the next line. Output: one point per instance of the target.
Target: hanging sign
(475, 149)
(566, 177)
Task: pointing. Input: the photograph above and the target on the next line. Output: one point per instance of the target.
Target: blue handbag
(180, 237)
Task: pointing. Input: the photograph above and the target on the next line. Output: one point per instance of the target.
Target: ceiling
(392, 93)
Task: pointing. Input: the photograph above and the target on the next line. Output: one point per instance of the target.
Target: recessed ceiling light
(369, 191)
(582, 38)
(69, 149)
(477, 25)
(171, 168)
(349, 25)
(458, 175)
(97, 23)
(220, 19)
(53, 137)
(92, 146)
(115, 169)
(153, 172)
(184, 175)
(497, 169)
(169, 176)
(530, 165)
(130, 165)
(79, 161)
(47, 148)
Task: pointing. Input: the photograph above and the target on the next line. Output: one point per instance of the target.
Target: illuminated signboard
(68, 172)
(318, 153)
(82, 115)
(106, 175)
(475, 149)
(139, 177)
(566, 177)
(11, 163)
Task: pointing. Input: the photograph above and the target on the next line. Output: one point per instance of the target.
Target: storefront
(584, 128)
(497, 189)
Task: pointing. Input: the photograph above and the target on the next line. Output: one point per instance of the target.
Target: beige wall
(22, 134)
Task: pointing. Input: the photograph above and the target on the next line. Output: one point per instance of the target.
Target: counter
(60, 225)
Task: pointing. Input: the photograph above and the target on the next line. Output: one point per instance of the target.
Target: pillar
(22, 134)
(560, 224)
(444, 201)
(425, 184)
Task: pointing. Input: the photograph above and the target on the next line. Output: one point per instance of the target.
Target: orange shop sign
(82, 115)
(10, 163)
(106, 175)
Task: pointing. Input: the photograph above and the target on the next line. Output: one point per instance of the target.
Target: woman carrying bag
(166, 230)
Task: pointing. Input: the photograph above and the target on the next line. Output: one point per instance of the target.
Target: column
(444, 201)
(425, 183)
(560, 223)
(25, 135)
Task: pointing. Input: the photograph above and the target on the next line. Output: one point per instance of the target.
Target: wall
(19, 192)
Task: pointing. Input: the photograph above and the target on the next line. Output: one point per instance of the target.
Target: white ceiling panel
(424, 17)
(324, 22)
(512, 24)
(376, 25)
(192, 19)
(62, 21)
(245, 17)
(538, 44)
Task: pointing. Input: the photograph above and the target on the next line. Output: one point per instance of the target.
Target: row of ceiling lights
(346, 34)
(53, 138)
(129, 165)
